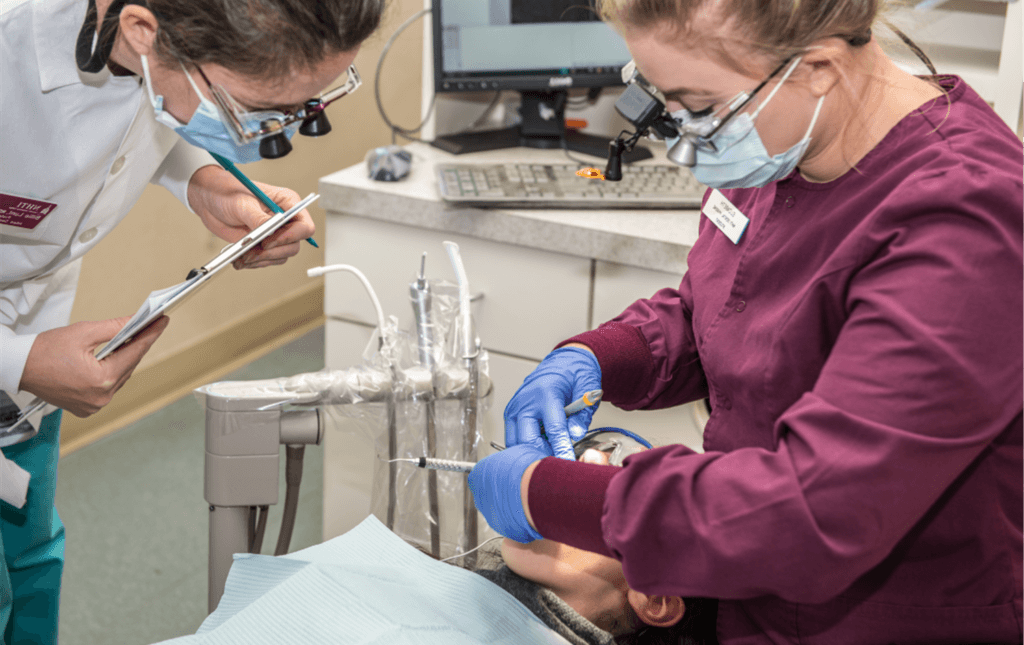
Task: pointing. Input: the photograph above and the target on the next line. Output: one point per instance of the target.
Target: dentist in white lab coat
(77, 148)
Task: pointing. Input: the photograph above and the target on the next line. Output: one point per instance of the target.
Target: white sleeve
(178, 167)
(14, 351)
(14, 482)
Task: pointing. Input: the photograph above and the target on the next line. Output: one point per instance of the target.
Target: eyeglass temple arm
(354, 81)
(747, 100)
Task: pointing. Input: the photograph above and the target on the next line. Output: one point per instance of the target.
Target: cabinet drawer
(616, 286)
(531, 299)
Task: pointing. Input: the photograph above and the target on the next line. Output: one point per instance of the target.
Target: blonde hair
(778, 29)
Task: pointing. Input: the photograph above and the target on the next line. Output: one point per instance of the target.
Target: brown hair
(776, 28)
(261, 38)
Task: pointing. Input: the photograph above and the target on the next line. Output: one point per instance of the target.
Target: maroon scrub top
(861, 347)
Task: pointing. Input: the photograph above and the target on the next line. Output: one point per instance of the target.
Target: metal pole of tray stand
(469, 421)
(392, 453)
(229, 530)
(419, 291)
(241, 471)
(432, 495)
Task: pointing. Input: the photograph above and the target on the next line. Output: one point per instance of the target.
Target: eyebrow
(684, 91)
(279, 108)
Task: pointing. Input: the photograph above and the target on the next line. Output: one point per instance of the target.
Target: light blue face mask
(206, 129)
(740, 159)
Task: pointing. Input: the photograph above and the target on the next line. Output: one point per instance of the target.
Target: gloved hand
(495, 482)
(563, 376)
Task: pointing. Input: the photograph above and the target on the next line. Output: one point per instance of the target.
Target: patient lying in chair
(369, 586)
(584, 596)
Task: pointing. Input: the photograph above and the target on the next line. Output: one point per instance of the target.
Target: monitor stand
(543, 126)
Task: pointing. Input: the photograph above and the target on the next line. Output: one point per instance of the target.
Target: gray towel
(554, 613)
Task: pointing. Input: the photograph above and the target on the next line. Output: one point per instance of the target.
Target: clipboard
(164, 300)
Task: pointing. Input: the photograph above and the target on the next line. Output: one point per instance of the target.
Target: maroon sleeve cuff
(627, 365)
(566, 500)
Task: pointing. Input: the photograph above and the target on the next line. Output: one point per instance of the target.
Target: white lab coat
(88, 143)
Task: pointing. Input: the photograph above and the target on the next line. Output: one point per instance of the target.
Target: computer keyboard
(558, 186)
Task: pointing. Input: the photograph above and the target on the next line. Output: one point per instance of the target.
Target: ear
(657, 611)
(138, 27)
(823, 60)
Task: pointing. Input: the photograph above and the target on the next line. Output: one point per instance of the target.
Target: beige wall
(160, 240)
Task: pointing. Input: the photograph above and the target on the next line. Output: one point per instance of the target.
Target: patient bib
(366, 586)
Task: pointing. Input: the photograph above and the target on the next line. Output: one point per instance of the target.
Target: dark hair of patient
(697, 626)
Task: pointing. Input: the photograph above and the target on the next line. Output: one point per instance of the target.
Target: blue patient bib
(367, 586)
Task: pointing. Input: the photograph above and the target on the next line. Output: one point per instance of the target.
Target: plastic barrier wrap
(397, 423)
(391, 398)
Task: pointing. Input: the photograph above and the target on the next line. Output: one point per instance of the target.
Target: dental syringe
(433, 463)
(452, 465)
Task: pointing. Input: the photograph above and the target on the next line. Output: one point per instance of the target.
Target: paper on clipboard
(162, 301)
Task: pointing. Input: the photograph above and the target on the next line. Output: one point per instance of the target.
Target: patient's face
(591, 584)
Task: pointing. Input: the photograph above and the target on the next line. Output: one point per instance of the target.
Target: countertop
(649, 239)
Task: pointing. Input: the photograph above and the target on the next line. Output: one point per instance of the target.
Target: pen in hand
(253, 188)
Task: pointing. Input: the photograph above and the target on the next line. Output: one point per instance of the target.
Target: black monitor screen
(523, 45)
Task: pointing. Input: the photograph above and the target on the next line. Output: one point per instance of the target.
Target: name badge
(23, 212)
(725, 216)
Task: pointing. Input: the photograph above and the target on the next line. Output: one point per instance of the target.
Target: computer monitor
(539, 48)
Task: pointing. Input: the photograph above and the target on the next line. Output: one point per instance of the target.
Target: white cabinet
(979, 40)
(348, 454)
(616, 286)
(531, 301)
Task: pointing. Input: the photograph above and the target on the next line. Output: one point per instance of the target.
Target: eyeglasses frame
(744, 98)
(231, 111)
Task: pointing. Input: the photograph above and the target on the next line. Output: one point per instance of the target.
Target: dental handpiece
(419, 291)
(588, 399)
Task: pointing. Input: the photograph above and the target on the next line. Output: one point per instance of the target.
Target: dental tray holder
(247, 422)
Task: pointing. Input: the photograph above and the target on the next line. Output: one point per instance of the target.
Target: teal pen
(253, 188)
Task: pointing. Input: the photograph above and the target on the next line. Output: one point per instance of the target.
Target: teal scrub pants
(33, 544)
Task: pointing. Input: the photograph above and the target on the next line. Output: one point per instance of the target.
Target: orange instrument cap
(590, 173)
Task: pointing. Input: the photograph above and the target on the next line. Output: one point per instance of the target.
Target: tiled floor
(136, 519)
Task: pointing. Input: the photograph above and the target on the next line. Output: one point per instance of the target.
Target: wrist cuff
(627, 365)
(567, 500)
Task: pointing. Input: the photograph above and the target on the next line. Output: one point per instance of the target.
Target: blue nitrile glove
(563, 376)
(495, 482)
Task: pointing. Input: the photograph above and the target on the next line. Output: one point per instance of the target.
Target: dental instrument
(469, 345)
(433, 463)
(419, 292)
(588, 399)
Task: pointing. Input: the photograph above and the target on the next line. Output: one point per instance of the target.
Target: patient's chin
(592, 456)
(541, 547)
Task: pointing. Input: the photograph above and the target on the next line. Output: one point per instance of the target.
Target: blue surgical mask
(740, 159)
(205, 129)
